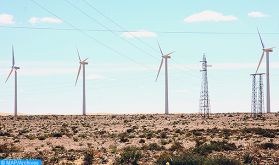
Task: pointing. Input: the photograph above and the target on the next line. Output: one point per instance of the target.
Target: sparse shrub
(247, 158)
(123, 137)
(270, 133)
(42, 137)
(88, 157)
(269, 145)
(113, 149)
(8, 148)
(56, 134)
(208, 148)
(4, 133)
(141, 141)
(82, 135)
(196, 132)
(182, 159)
(129, 130)
(143, 117)
(58, 148)
(153, 147)
(149, 135)
(189, 158)
(163, 135)
(176, 146)
(31, 136)
(130, 155)
(164, 142)
(222, 161)
(178, 131)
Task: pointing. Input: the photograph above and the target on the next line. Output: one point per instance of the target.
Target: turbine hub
(16, 67)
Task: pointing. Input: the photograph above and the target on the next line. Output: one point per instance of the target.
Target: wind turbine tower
(14, 68)
(204, 95)
(266, 52)
(82, 64)
(165, 59)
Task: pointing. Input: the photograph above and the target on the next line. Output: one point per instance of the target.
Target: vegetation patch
(208, 148)
(130, 155)
(187, 158)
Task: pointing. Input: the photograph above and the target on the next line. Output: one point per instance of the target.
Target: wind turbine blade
(78, 55)
(160, 48)
(260, 38)
(160, 68)
(260, 62)
(169, 53)
(13, 62)
(85, 60)
(78, 74)
(9, 75)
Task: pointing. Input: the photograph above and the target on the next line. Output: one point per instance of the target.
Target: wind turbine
(266, 52)
(165, 58)
(14, 68)
(82, 63)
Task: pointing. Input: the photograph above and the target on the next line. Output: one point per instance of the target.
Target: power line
(121, 27)
(95, 20)
(122, 31)
(87, 35)
(118, 25)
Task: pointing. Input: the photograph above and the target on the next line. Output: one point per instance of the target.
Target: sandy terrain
(102, 139)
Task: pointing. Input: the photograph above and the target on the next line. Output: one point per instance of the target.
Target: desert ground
(235, 138)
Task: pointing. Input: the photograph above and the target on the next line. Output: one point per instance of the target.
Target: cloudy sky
(120, 40)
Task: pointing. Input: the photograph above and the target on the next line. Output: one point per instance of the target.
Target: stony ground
(104, 139)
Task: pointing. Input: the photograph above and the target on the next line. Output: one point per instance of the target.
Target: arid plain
(235, 138)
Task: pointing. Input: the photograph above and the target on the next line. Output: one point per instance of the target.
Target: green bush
(130, 155)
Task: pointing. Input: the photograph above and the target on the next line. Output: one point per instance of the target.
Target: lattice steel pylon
(204, 94)
(254, 96)
(257, 102)
(260, 105)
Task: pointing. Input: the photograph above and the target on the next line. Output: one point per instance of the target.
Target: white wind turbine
(14, 68)
(165, 58)
(82, 63)
(266, 52)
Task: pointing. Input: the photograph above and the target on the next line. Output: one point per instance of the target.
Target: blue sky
(120, 79)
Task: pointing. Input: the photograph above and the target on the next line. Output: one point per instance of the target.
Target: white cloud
(139, 34)
(34, 20)
(6, 19)
(209, 16)
(257, 14)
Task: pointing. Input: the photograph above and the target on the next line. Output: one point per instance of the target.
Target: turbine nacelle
(166, 56)
(268, 49)
(16, 67)
(83, 63)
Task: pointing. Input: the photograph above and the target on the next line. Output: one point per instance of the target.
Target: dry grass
(104, 139)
